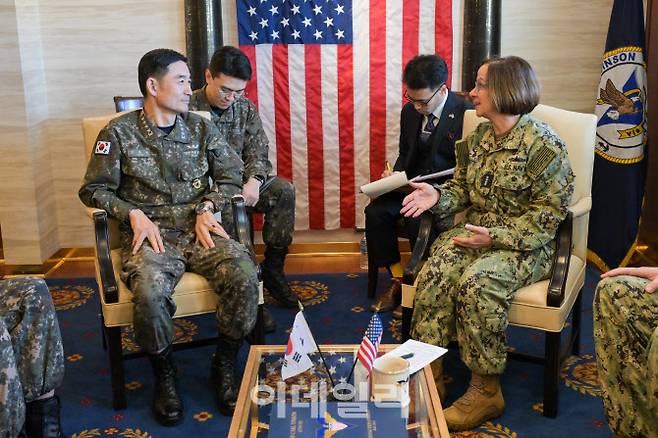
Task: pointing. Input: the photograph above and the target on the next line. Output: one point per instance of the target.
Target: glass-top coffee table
(261, 390)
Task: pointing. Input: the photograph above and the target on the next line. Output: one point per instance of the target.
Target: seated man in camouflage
(150, 170)
(626, 341)
(31, 360)
(238, 122)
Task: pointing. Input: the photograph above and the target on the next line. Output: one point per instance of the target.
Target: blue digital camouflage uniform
(519, 187)
(626, 341)
(242, 128)
(166, 176)
(31, 354)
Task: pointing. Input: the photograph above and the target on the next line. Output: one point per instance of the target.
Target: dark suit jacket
(442, 140)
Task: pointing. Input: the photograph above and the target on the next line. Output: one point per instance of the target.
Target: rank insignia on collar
(102, 148)
(196, 183)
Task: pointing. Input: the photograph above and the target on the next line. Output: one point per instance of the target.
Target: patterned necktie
(431, 123)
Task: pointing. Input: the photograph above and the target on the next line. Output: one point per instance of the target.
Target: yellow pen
(388, 166)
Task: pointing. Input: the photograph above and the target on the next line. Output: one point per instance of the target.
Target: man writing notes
(150, 170)
(239, 124)
(430, 124)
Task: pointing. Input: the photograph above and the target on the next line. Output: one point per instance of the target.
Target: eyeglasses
(480, 86)
(225, 92)
(422, 102)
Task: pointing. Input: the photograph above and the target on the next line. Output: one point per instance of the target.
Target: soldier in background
(626, 341)
(150, 170)
(31, 360)
(238, 122)
(513, 175)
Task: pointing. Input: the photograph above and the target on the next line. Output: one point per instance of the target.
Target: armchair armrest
(243, 228)
(90, 212)
(584, 205)
(560, 270)
(419, 253)
(105, 270)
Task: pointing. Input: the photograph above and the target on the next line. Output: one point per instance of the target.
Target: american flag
(370, 344)
(328, 85)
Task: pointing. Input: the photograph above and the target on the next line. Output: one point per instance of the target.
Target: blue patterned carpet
(338, 313)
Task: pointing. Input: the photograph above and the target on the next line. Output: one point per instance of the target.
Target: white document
(397, 180)
(385, 185)
(422, 354)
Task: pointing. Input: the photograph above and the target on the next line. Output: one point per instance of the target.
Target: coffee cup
(390, 380)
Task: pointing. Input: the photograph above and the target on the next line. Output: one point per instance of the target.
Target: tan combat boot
(482, 401)
(437, 372)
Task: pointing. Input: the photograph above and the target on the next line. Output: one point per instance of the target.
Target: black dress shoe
(391, 297)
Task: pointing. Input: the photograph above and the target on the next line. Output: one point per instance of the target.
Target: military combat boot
(42, 418)
(273, 278)
(437, 371)
(269, 324)
(167, 406)
(223, 374)
(482, 401)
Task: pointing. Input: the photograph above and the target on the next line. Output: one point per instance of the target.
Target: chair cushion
(529, 307)
(193, 296)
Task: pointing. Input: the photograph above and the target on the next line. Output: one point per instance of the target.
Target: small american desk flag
(370, 344)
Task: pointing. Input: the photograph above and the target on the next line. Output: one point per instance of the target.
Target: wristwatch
(259, 178)
(203, 207)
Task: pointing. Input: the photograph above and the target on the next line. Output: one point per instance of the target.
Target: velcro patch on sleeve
(540, 161)
(102, 148)
(461, 152)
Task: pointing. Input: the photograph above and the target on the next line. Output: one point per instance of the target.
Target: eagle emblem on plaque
(621, 106)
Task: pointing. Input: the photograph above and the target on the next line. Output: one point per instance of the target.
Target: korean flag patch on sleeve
(102, 148)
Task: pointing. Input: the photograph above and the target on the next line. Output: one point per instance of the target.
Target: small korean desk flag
(300, 343)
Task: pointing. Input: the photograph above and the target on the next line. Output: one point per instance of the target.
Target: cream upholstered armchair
(193, 295)
(545, 305)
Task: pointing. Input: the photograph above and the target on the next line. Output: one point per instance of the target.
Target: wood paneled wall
(564, 41)
(65, 59)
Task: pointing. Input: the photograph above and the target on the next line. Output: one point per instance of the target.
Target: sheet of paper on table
(423, 354)
(397, 180)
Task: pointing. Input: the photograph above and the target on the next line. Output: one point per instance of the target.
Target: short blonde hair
(512, 84)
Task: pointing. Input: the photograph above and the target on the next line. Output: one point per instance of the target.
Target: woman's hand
(420, 200)
(650, 274)
(479, 239)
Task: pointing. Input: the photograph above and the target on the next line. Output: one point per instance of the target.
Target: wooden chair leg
(552, 374)
(373, 274)
(103, 332)
(117, 377)
(575, 325)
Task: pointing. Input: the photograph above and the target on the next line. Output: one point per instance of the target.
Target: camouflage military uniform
(241, 126)
(519, 187)
(626, 339)
(31, 354)
(166, 176)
